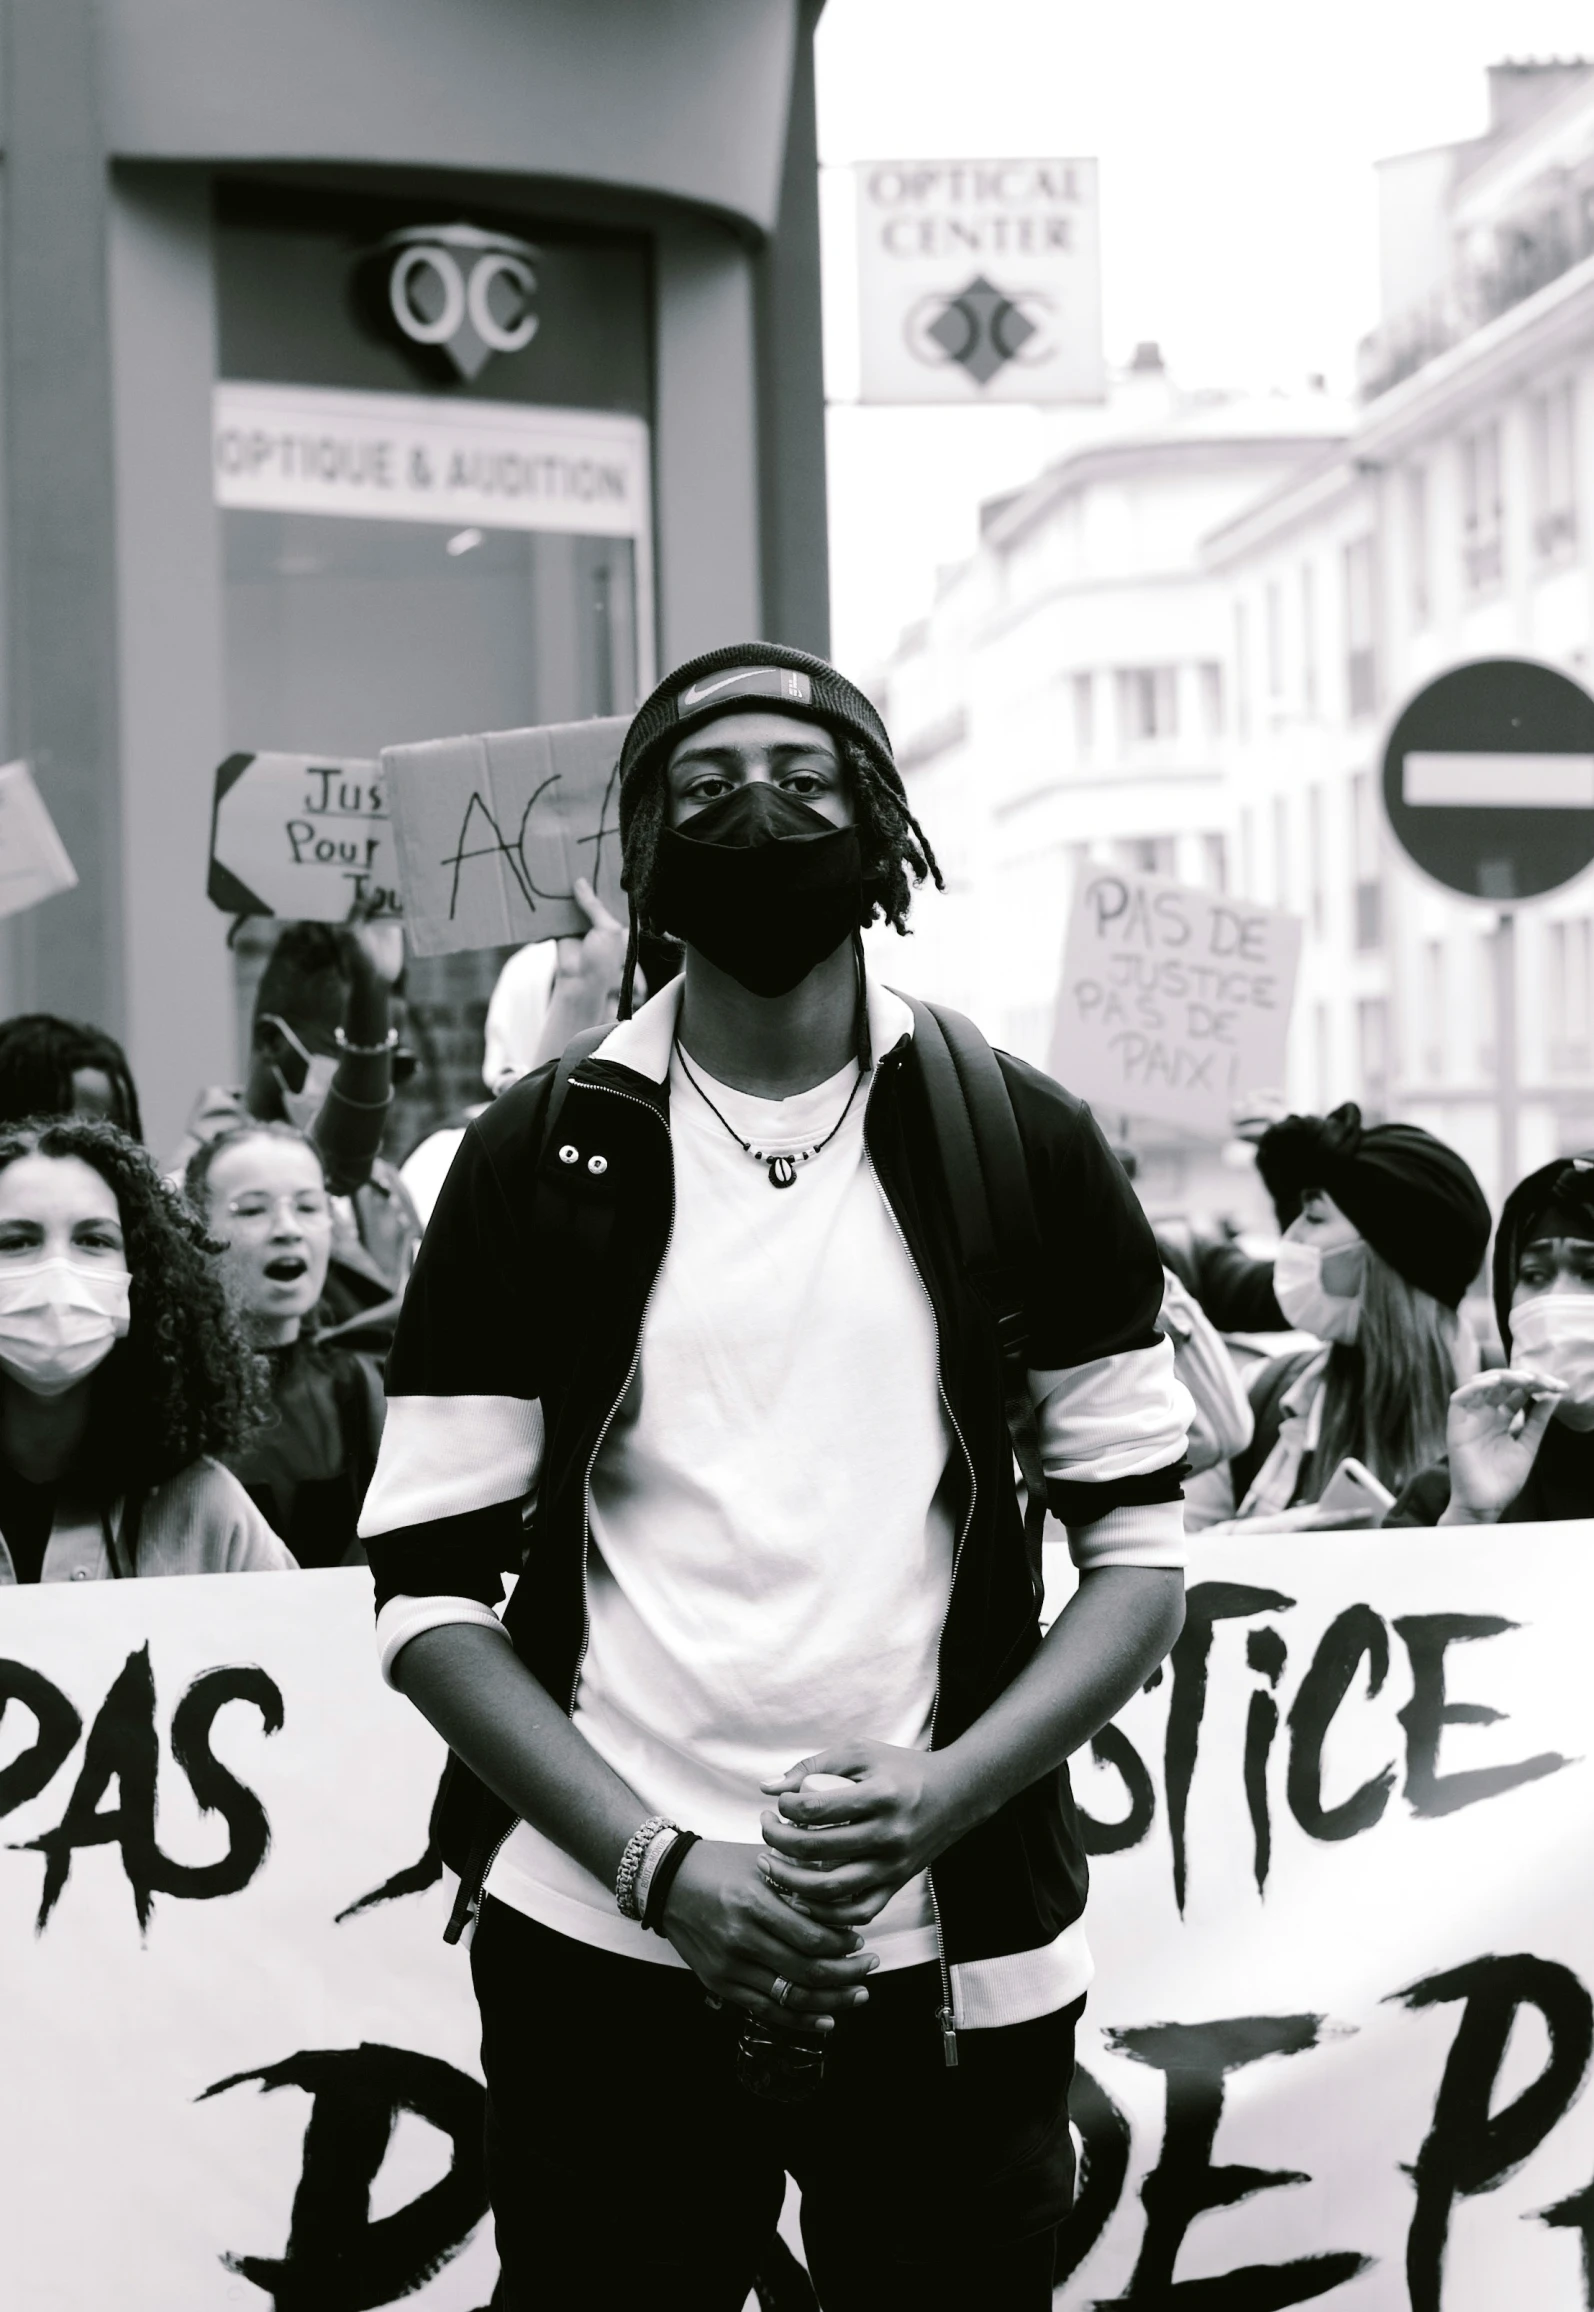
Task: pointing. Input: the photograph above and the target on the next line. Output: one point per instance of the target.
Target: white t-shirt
(771, 1548)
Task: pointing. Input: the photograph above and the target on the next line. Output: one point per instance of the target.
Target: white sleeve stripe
(403, 1618)
(1147, 1534)
(444, 1456)
(1121, 1416)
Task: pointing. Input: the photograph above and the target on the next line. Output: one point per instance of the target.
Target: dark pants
(628, 2167)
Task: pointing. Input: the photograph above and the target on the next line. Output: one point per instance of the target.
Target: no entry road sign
(1489, 779)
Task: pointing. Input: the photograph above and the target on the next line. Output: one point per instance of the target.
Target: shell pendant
(782, 1171)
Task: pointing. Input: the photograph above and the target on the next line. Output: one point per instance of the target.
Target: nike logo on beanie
(748, 682)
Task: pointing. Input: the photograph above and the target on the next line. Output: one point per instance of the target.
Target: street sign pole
(1507, 1088)
(1488, 788)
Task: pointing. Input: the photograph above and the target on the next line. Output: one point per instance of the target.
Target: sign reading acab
(979, 281)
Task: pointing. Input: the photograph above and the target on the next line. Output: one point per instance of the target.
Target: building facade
(1455, 525)
(1068, 698)
(367, 374)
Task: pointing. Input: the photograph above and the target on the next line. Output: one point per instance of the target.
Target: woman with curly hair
(123, 1376)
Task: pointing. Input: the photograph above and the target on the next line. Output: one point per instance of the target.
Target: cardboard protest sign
(1174, 1002)
(493, 831)
(1338, 2046)
(33, 859)
(301, 835)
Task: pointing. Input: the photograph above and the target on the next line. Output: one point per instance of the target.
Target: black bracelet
(664, 1879)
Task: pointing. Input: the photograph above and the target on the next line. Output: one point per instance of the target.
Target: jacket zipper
(625, 1386)
(586, 1486)
(946, 2015)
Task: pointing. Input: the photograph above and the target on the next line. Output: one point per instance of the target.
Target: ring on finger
(780, 1990)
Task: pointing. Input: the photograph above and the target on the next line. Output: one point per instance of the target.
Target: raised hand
(1495, 1427)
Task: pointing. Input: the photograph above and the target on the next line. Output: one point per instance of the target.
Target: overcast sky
(1236, 140)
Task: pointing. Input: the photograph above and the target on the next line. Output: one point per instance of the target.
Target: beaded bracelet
(379, 1051)
(658, 1847)
(631, 1862)
(663, 1878)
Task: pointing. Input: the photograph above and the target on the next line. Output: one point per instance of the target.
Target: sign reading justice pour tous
(1174, 1002)
(301, 835)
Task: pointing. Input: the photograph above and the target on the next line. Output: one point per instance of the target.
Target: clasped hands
(778, 1930)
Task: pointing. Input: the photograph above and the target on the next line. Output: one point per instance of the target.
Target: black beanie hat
(1414, 1200)
(1560, 1194)
(741, 678)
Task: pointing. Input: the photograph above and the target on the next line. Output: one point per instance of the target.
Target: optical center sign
(411, 458)
(979, 281)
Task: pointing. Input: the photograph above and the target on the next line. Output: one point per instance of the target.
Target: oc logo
(455, 293)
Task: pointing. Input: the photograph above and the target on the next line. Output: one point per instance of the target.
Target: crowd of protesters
(192, 1353)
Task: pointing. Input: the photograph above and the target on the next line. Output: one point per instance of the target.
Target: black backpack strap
(579, 1048)
(993, 1212)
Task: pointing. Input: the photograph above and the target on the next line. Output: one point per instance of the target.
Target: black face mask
(761, 885)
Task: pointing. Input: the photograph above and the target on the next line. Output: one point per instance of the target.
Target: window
(1275, 639)
(1361, 627)
(1482, 556)
(1212, 699)
(1553, 418)
(1567, 992)
(1483, 1000)
(1242, 672)
(1366, 864)
(1418, 601)
(1281, 851)
(1323, 1056)
(1308, 638)
(1316, 842)
(1151, 854)
(1215, 862)
(1148, 703)
(1084, 716)
(1433, 1009)
(1372, 1040)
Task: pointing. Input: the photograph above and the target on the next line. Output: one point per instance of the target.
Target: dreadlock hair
(40, 1054)
(892, 844)
(184, 1382)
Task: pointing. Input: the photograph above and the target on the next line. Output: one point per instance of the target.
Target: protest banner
(301, 836)
(1174, 1002)
(494, 829)
(204, 1789)
(33, 859)
(1342, 1911)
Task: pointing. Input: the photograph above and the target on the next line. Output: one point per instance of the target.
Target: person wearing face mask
(262, 1193)
(323, 1058)
(694, 1305)
(1519, 1442)
(1384, 1229)
(123, 1378)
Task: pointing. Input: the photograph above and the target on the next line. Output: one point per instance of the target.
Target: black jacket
(532, 1284)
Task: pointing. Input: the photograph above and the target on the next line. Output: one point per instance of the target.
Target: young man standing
(715, 1323)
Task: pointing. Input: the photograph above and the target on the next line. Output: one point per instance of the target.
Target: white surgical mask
(1555, 1332)
(59, 1320)
(1300, 1292)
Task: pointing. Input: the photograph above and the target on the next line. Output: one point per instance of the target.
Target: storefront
(363, 391)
